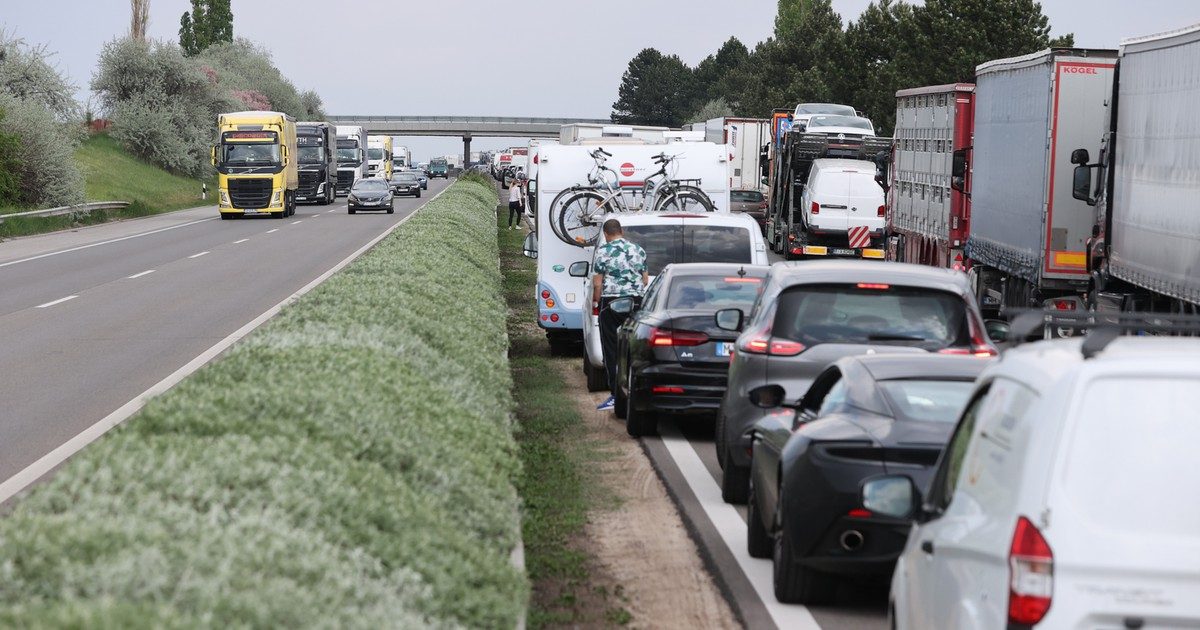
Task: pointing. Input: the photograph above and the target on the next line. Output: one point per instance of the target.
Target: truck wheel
(226, 216)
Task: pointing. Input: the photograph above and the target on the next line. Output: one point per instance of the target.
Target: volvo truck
(379, 157)
(351, 156)
(316, 159)
(1143, 253)
(255, 158)
(401, 155)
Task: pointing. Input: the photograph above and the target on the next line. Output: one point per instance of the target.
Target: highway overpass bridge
(466, 127)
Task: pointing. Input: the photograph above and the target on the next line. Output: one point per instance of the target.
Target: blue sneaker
(606, 405)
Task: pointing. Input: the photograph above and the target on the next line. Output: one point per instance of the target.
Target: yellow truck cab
(379, 157)
(255, 157)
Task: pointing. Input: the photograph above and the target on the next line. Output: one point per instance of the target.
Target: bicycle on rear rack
(575, 213)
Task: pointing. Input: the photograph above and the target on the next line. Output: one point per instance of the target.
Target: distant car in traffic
(671, 238)
(406, 183)
(843, 194)
(421, 177)
(813, 313)
(751, 203)
(1062, 497)
(672, 358)
(371, 193)
(864, 416)
(805, 111)
(846, 126)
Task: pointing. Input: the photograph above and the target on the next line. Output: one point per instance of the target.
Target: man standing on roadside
(620, 272)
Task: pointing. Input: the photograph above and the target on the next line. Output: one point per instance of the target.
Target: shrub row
(350, 464)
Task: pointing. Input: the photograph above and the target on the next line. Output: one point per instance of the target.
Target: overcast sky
(477, 57)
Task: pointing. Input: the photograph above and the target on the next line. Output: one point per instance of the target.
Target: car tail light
(882, 211)
(772, 347)
(669, 337)
(762, 205)
(744, 280)
(1030, 575)
(595, 310)
(875, 286)
(545, 294)
(662, 389)
(816, 208)
(859, 513)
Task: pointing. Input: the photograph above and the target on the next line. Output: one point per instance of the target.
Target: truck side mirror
(958, 172)
(283, 153)
(1081, 186)
(881, 170)
(1080, 156)
(212, 154)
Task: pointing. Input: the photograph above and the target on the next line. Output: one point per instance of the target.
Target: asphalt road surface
(91, 318)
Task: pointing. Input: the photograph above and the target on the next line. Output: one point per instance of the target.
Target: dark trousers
(610, 321)
(514, 210)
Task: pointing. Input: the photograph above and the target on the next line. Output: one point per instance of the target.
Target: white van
(562, 166)
(842, 194)
(667, 239)
(1066, 497)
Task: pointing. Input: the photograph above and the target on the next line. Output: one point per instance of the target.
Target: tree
(139, 18)
(10, 166)
(209, 22)
(878, 61)
(655, 90)
(716, 108)
(714, 75)
(803, 62)
(790, 16)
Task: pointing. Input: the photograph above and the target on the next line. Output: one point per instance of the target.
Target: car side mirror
(621, 306)
(530, 248)
(730, 319)
(895, 496)
(1080, 157)
(1081, 185)
(997, 330)
(578, 269)
(768, 396)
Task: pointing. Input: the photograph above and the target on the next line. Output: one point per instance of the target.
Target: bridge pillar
(466, 150)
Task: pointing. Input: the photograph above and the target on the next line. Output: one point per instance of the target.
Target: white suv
(716, 237)
(1067, 497)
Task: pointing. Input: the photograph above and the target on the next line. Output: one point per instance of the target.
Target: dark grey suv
(813, 313)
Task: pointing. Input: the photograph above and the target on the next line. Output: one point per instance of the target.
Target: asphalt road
(91, 318)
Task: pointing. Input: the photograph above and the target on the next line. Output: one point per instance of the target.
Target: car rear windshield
(872, 313)
(667, 244)
(714, 292)
(746, 196)
(1131, 457)
(370, 185)
(927, 400)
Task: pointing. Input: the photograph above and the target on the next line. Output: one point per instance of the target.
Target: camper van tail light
(816, 208)
(550, 303)
(545, 294)
(554, 317)
(1030, 575)
(660, 337)
(882, 211)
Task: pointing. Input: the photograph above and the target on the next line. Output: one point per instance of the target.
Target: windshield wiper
(882, 337)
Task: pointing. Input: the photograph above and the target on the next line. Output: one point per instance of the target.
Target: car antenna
(742, 271)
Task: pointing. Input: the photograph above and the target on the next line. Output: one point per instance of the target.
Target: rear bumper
(680, 389)
(883, 541)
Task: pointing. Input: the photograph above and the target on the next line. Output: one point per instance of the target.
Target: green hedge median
(350, 464)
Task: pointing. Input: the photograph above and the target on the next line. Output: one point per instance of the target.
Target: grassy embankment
(350, 464)
(111, 174)
(557, 488)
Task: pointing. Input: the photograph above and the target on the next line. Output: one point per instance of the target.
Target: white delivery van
(841, 195)
(560, 301)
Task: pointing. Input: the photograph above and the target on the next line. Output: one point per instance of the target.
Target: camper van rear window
(250, 135)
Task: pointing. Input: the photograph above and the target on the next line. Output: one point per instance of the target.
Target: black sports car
(672, 357)
(864, 416)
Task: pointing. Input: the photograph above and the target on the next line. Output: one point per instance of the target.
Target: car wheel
(638, 423)
(350, 210)
(392, 209)
(796, 584)
(758, 540)
(418, 195)
(735, 482)
(597, 378)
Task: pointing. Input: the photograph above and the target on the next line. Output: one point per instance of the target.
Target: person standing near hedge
(620, 272)
(516, 204)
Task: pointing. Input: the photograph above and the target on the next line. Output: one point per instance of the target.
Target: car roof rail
(1101, 328)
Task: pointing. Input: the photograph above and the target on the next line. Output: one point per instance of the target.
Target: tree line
(813, 56)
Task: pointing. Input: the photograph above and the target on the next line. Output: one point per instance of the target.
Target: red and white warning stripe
(860, 236)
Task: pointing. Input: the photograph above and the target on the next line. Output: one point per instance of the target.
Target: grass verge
(350, 464)
(556, 488)
(114, 175)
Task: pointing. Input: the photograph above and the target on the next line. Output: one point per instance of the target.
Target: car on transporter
(671, 356)
(864, 416)
(813, 313)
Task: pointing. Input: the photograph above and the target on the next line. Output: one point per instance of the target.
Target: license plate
(841, 251)
(724, 349)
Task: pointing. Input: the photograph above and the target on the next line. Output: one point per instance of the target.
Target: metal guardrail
(82, 208)
(473, 119)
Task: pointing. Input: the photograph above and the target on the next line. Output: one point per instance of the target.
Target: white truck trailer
(351, 156)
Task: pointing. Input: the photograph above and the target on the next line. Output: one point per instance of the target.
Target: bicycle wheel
(684, 199)
(578, 218)
(556, 209)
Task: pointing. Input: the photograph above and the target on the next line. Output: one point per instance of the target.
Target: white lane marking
(115, 240)
(295, 222)
(139, 275)
(329, 211)
(272, 231)
(241, 241)
(31, 473)
(58, 301)
(197, 255)
(732, 529)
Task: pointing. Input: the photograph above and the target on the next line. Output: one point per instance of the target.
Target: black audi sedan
(671, 356)
(864, 416)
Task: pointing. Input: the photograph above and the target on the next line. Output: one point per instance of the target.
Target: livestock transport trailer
(1028, 232)
(928, 179)
(1145, 255)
